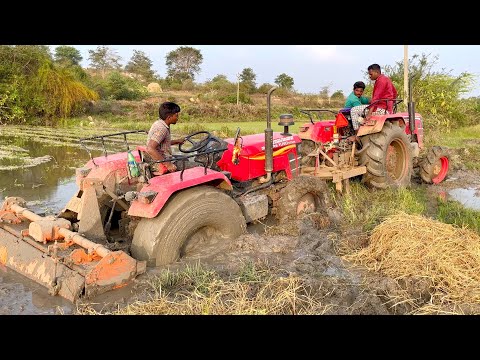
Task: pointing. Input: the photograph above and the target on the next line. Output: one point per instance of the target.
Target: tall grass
(198, 290)
(61, 93)
(366, 208)
(452, 212)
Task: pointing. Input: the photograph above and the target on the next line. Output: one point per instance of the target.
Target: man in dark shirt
(383, 89)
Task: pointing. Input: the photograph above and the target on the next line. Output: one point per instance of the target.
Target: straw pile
(412, 246)
(200, 291)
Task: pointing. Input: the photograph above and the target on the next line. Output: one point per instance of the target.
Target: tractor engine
(324, 136)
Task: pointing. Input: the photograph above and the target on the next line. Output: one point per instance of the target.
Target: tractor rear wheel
(388, 158)
(434, 166)
(193, 221)
(303, 195)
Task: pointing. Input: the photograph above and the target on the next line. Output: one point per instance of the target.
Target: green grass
(366, 208)
(452, 212)
(225, 129)
(456, 138)
(197, 290)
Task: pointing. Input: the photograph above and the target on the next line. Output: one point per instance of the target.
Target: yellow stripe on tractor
(275, 153)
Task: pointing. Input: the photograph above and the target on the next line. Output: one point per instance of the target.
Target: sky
(311, 66)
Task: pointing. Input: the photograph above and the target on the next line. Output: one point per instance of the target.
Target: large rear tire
(388, 158)
(304, 195)
(434, 166)
(193, 219)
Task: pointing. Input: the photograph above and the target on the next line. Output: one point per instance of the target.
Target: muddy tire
(303, 195)
(305, 148)
(193, 219)
(388, 158)
(434, 166)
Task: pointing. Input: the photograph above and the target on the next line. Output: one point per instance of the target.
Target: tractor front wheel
(303, 195)
(434, 166)
(193, 221)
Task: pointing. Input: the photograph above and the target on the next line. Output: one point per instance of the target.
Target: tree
(338, 95)
(183, 63)
(67, 55)
(32, 86)
(140, 64)
(121, 87)
(104, 58)
(220, 82)
(284, 81)
(323, 94)
(263, 89)
(247, 79)
(436, 93)
(219, 78)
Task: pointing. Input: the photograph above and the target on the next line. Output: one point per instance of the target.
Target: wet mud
(311, 247)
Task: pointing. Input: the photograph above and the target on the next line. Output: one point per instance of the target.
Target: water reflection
(47, 186)
(467, 197)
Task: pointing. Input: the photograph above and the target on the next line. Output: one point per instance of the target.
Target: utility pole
(405, 72)
(238, 88)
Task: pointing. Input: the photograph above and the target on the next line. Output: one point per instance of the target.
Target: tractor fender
(168, 184)
(376, 124)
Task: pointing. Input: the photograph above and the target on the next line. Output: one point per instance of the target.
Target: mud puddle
(469, 197)
(21, 296)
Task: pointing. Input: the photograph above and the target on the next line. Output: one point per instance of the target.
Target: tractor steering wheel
(197, 141)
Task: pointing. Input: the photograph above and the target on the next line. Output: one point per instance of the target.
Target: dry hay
(412, 247)
(205, 292)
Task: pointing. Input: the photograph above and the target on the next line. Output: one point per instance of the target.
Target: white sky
(311, 66)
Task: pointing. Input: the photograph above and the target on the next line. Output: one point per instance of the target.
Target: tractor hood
(255, 144)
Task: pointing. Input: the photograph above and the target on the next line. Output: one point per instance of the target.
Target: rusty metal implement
(46, 250)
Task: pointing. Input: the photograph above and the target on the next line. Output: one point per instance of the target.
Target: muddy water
(469, 197)
(46, 187)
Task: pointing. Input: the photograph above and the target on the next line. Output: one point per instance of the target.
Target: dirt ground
(312, 248)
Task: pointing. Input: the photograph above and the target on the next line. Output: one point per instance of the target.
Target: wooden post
(405, 73)
(238, 88)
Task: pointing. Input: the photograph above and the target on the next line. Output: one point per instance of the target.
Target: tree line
(36, 83)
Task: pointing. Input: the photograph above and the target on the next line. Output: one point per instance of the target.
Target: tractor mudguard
(375, 125)
(168, 184)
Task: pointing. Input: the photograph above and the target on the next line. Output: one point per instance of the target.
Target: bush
(437, 94)
(188, 85)
(32, 86)
(232, 99)
(120, 87)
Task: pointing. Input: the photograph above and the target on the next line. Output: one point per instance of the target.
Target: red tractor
(385, 151)
(124, 216)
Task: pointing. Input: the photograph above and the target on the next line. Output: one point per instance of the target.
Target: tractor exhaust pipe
(268, 140)
(411, 109)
